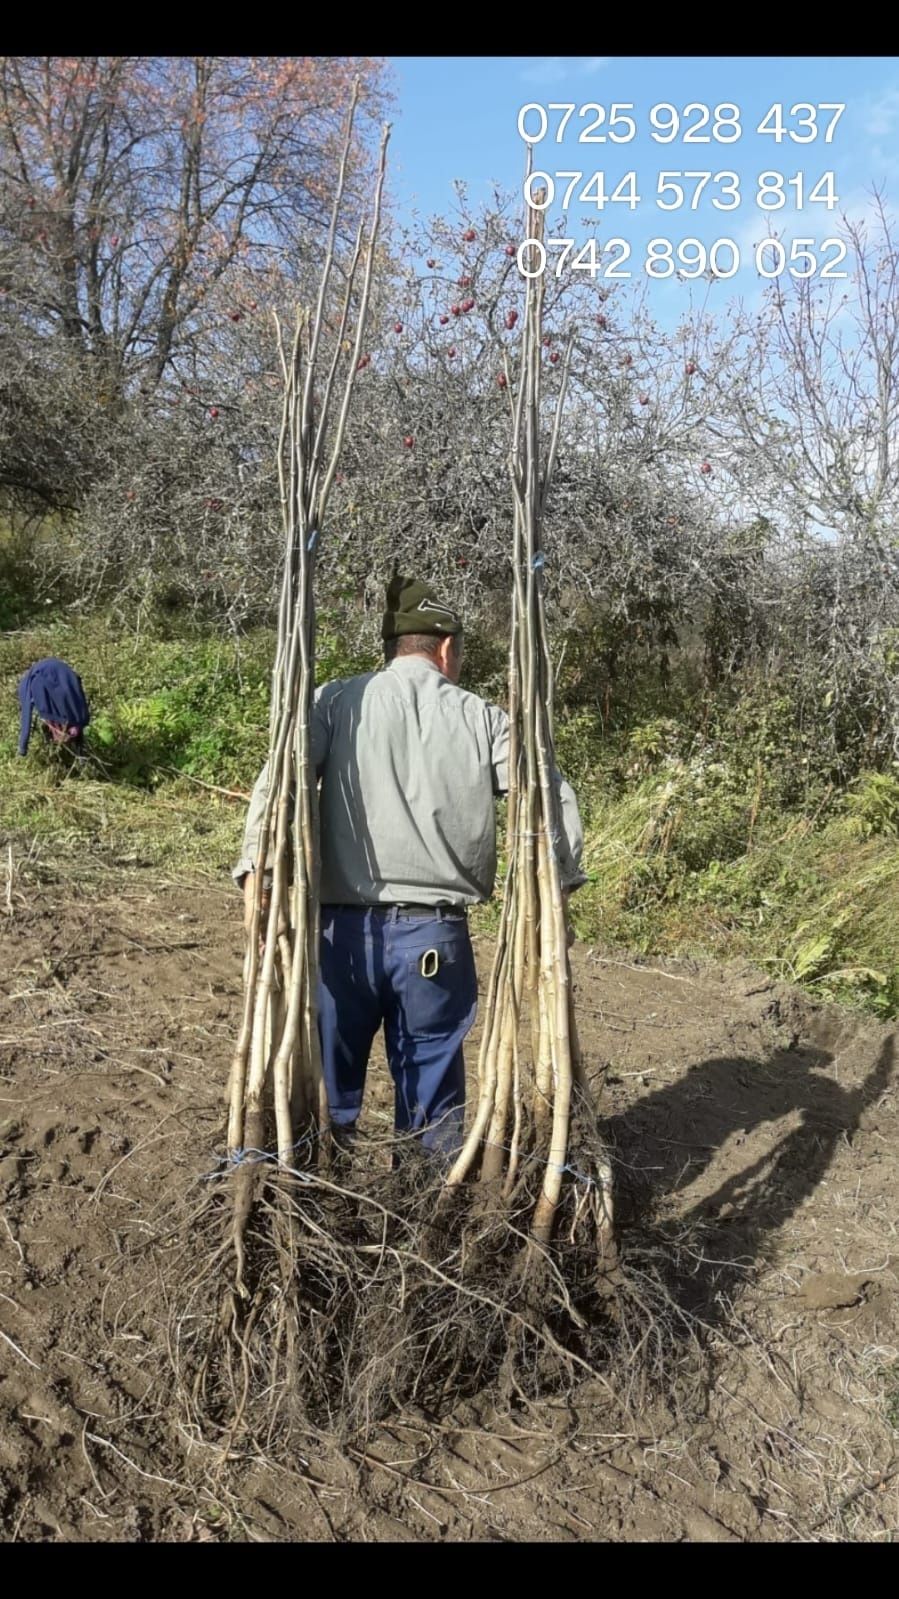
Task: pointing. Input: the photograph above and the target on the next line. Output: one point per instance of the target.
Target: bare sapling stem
(276, 1068)
(530, 990)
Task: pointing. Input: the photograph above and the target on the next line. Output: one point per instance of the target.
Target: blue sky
(457, 118)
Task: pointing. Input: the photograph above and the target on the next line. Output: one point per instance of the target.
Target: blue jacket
(56, 693)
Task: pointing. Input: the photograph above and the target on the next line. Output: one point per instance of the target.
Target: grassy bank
(705, 846)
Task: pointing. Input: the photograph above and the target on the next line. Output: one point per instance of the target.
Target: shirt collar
(412, 663)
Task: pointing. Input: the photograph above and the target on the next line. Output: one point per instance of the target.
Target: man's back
(55, 691)
(410, 764)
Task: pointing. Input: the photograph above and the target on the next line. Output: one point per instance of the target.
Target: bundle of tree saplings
(247, 1255)
(341, 1299)
(534, 1100)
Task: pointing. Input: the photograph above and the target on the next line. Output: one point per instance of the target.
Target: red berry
(234, 315)
(114, 241)
(364, 360)
(644, 399)
(397, 327)
(456, 310)
(690, 368)
(469, 235)
(467, 305)
(451, 351)
(511, 319)
(432, 262)
(501, 380)
(547, 339)
(511, 250)
(705, 469)
(627, 360)
(409, 441)
(213, 412)
(602, 321)
(554, 356)
(443, 321)
(464, 282)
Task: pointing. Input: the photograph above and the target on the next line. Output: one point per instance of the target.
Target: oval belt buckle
(429, 963)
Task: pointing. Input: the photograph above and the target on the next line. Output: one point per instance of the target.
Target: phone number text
(695, 123)
(684, 258)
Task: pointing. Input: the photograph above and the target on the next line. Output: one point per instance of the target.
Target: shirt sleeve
(85, 703)
(25, 703)
(569, 840)
(320, 725)
(320, 743)
(252, 828)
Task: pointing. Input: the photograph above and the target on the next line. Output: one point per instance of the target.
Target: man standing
(410, 765)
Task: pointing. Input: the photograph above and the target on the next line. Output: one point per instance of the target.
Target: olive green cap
(412, 607)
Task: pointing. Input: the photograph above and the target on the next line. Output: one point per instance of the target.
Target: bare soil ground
(757, 1140)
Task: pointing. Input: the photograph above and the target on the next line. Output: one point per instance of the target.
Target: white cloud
(759, 225)
(546, 69)
(555, 69)
(815, 221)
(858, 207)
(883, 113)
(883, 164)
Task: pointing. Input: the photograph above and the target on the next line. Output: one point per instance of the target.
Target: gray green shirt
(410, 765)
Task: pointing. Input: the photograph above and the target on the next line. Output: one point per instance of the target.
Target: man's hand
(249, 894)
(570, 934)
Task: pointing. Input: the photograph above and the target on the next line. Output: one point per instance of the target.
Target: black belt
(418, 912)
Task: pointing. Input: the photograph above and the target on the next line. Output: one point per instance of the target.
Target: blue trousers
(373, 966)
